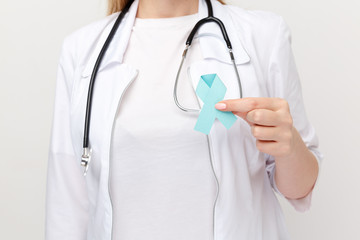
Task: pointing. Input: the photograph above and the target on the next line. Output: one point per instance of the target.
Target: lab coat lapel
(117, 47)
(111, 82)
(108, 91)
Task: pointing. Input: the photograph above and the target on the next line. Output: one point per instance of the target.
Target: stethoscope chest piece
(85, 159)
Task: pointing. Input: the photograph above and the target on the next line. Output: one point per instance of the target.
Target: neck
(166, 8)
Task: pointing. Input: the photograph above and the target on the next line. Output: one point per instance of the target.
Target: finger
(243, 116)
(268, 147)
(251, 103)
(265, 133)
(263, 117)
(273, 148)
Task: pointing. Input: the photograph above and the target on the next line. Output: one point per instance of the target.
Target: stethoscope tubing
(95, 71)
(86, 156)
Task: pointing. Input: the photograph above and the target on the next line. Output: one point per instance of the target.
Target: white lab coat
(79, 208)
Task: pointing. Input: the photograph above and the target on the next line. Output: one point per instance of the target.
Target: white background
(326, 43)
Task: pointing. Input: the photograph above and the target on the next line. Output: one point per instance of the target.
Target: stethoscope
(86, 156)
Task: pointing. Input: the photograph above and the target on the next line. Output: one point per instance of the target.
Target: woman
(151, 174)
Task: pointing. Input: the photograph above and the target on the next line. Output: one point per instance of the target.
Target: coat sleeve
(283, 81)
(66, 195)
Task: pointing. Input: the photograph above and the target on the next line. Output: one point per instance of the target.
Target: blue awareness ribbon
(211, 90)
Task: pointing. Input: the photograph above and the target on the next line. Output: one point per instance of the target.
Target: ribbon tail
(205, 120)
(226, 118)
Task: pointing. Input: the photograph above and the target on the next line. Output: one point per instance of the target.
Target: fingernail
(220, 106)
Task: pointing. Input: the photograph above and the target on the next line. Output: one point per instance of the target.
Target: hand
(270, 120)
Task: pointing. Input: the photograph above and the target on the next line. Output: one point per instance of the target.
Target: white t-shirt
(161, 181)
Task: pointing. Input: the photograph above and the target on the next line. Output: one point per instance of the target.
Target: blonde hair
(118, 5)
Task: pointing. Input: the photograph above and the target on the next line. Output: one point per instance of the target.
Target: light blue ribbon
(211, 90)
